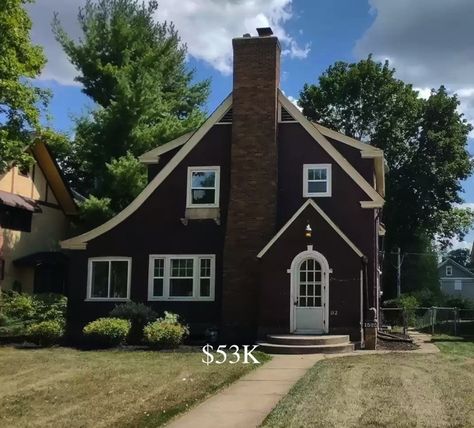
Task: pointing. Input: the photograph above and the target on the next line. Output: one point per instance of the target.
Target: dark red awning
(17, 201)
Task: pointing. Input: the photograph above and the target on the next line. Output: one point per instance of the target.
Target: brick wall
(251, 214)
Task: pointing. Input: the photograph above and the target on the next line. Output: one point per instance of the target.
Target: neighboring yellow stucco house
(35, 211)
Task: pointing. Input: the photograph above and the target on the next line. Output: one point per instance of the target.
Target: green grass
(391, 390)
(62, 387)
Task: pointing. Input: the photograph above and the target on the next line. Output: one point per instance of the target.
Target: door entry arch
(309, 296)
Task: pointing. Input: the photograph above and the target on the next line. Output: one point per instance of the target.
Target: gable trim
(331, 150)
(471, 275)
(80, 242)
(313, 204)
(153, 155)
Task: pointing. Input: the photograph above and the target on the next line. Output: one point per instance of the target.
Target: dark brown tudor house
(258, 222)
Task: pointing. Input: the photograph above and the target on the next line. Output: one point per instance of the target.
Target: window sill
(318, 195)
(105, 299)
(202, 213)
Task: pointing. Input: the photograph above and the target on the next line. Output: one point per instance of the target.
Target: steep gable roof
(376, 201)
(80, 242)
(460, 267)
(312, 204)
(53, 175)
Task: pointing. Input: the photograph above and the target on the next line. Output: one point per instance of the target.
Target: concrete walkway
(247, 402)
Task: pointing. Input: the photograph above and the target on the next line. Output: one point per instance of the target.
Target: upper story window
(203, 187)
(109, 278)
(449, 270)
(181, 277)
(316, 180)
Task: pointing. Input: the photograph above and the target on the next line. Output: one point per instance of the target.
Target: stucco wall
(47, 229)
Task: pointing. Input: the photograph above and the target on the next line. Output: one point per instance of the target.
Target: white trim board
(80, 242)
(153, 155)
(313, 204)
(375, 199)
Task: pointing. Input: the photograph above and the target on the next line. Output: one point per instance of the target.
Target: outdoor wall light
(308, 231)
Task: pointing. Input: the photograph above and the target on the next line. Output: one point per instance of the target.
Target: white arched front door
(309, 293)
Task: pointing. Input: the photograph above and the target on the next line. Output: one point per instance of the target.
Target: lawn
(391, 390)
(62, 387)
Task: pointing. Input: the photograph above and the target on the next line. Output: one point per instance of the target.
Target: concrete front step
(303, 339)
(276, 348)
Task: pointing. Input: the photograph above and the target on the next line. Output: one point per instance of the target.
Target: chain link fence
(434, 320)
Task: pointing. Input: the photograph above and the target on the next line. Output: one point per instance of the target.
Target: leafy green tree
(134, 69)
(424, 141)
(461, 256)
(20, 100)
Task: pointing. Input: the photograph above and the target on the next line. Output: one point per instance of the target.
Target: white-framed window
(317, 180)
(181, 277)
(108, 278)
(449, 270)
(203, 187)
(458, 285)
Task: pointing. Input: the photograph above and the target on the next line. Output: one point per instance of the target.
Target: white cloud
(295, 102)
(455, 244)
(430, 42)
(206, 26)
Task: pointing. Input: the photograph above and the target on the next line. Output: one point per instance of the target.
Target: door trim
(294, 270)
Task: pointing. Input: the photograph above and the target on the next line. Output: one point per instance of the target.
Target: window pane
(203, 179)
(302, 302)
(205, 268)
(205, 289)
(317, 301)
(181, 287)
(317, 174)
(159, 268)
(100, 278)
(203, 196)
(118, 278)
(317, 187)
(158, 287)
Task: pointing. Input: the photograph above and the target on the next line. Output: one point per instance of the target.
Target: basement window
(109, 278)
(316, 180)
(203, 187)
(181, 277)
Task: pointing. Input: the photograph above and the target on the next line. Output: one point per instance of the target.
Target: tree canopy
(134, 69)
(424, 142)
(461, 256)
(20, 100)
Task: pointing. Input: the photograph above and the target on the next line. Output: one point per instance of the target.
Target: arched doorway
(309, 304)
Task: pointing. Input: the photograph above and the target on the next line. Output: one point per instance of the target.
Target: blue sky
(428, 42)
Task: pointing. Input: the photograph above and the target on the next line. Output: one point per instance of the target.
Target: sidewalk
(247, 402)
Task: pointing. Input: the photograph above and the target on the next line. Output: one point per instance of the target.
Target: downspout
(362, 341)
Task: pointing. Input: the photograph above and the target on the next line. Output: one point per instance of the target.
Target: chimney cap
(264, 31)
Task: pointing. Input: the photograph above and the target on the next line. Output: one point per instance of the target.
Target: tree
(424, 141)
(134, 69)
(20, 100)
(461, 256)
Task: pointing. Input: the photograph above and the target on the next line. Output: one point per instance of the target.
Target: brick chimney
(251, 213)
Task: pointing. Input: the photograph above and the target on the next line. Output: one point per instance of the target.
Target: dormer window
(316, 180)
(449, 270)
(203, 187)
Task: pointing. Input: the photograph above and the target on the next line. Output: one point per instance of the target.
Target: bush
(166, 332)
(19, 306)
(138, 314)
(46, 333)
(3, 320)
(50, 307)
(106, 332)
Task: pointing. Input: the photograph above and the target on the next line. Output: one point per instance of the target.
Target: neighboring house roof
(186, 144)
(17, 201)
(312, 204)
(53, 174)
(461, 267)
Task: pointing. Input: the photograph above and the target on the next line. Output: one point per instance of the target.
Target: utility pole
(399, 276)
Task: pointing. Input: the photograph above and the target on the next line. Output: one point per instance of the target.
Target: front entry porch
(306, 344)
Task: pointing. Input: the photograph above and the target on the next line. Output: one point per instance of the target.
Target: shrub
(138, 314)
(46, 333)
(3, 320)
(166, 332)
(50, 306)
(19, 306)
(106, 332)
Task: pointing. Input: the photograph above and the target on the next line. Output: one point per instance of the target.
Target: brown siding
(156, 228)
(344, 283)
